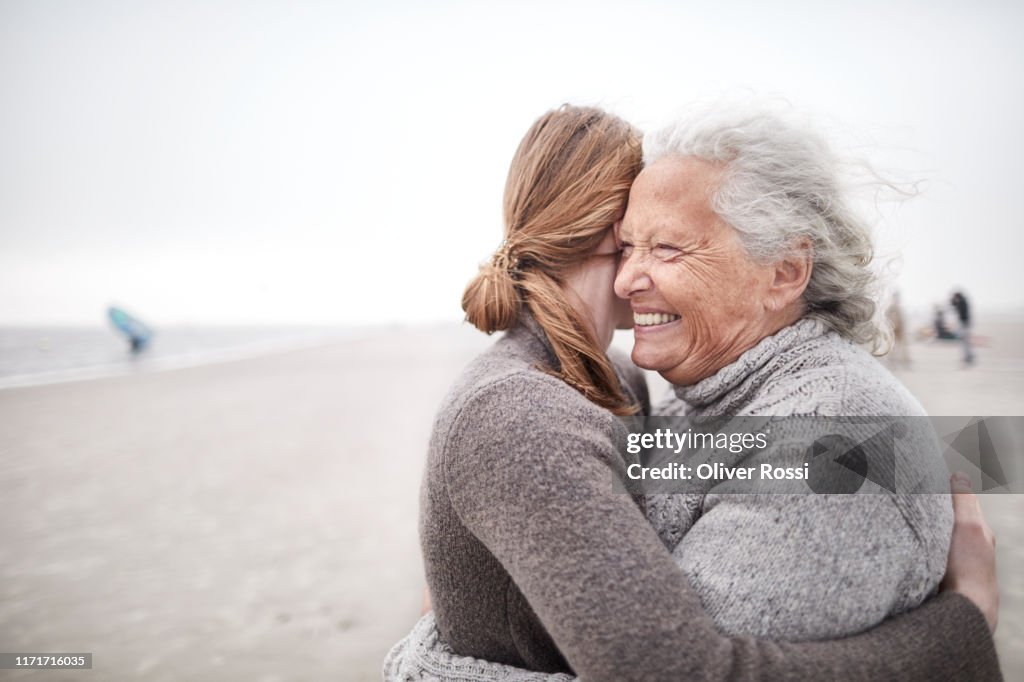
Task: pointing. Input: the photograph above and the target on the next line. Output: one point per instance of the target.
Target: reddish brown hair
(568, 183)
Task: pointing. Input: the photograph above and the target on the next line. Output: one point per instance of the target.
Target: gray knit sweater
(801, 567)
(534, 562)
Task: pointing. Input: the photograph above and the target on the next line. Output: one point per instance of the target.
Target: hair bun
(492, 300)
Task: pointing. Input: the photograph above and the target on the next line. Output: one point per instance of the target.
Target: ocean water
(41, 355)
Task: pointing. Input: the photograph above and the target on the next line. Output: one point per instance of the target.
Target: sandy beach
(256, 520)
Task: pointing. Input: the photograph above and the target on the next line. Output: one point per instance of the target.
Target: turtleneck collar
(744, 376)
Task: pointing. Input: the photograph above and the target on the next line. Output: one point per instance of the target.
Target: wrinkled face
(698, 300)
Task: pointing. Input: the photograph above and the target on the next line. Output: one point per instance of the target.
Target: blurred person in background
(899, 354)
(940, 330)
(963, 314)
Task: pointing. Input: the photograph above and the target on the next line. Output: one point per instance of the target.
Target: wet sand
(256, 520)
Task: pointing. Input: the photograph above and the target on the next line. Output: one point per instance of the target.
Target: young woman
(532, 559)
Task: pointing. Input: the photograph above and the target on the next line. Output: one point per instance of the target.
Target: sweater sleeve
(531, 475)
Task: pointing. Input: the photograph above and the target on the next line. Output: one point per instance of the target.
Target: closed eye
(666, 251)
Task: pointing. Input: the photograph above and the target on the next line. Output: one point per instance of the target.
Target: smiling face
(698, 300)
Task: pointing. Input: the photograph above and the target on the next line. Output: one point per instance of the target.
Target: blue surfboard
(138, 334)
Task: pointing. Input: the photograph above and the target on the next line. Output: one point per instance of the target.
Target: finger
(965, 503)
(960, 482)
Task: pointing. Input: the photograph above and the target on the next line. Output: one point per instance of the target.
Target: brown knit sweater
(532, 559)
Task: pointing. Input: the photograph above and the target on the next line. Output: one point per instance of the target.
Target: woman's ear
(790, 276)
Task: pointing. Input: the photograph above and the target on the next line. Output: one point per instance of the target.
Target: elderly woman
(748, 276)
(535, 561)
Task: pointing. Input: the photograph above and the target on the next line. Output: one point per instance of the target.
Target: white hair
(781, 187)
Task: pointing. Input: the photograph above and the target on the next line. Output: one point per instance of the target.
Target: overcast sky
(343, 162)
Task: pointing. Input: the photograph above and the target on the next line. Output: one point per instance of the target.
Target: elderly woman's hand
(971, 568)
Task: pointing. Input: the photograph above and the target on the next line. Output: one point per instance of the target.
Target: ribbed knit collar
(748, 372)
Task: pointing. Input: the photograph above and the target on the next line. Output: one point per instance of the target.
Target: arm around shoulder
(530, 472)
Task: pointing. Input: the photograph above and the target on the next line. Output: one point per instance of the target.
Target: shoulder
(519, 438)
(831, 376)
(502, 373)
(868, 388)
(511, 390)
(505, 406)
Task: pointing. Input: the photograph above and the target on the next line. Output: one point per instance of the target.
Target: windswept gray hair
(781, 186)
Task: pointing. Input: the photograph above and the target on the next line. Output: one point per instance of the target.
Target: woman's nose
(632, 276)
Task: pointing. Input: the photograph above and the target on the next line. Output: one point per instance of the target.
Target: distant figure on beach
(900, 351)
(942, 332)
(138, 334)
(963, 313)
